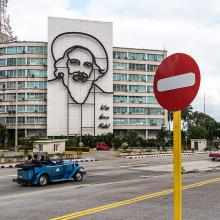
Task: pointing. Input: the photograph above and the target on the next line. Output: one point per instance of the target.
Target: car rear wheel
(43, 181)
(78, 177)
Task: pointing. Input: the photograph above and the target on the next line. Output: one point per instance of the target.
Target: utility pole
(204, 102)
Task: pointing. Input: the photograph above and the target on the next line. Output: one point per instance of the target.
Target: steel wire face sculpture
(81, 62)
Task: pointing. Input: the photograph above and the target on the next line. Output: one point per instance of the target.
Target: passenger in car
(36, 160)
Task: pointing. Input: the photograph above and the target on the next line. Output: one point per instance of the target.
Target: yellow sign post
(176, 84)
(177, 179)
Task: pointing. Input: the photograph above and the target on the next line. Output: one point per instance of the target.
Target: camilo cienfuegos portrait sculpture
(79, 68)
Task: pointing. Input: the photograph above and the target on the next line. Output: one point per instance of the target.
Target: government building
(77, 83)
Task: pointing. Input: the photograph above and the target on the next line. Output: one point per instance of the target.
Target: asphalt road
(108, 182)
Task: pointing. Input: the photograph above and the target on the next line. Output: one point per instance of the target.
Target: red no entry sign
(176, 81)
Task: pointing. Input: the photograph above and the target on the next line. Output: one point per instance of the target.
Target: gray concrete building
(23, 87)
(135, 105)
(119, 96)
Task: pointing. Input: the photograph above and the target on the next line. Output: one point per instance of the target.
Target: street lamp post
(16, 107)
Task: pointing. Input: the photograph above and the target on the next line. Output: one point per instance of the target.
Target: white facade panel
(79, 77)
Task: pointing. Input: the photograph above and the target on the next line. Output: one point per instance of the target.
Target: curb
(78, 160)
(7, 166)
(160, 155)
(84, 160)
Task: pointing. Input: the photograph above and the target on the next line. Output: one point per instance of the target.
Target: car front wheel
(78, 177)
(43, 181)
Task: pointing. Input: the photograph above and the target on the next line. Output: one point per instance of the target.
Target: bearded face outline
(78, 67)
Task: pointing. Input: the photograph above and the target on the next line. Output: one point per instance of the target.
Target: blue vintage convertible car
(48, 171)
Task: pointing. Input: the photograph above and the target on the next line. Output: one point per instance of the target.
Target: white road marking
(176, 82)
(8, 176)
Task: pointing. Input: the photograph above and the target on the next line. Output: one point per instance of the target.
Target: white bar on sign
(176, 82)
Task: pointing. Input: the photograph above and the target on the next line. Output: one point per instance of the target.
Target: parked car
(215, 155)
(102, 146)
(48, 171)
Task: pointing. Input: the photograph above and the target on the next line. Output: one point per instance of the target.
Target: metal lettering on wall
(104, 117)
(78, 66)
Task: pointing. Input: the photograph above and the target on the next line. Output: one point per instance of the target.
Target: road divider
(76, 160)
(159, 155)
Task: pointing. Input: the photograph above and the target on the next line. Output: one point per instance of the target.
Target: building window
(119, 88)
(2, 121)
(136, 56)
(56, 147)
(155, 57)
(119, 77)
(36, 96)
(21, 120)
(36, 73)
(36, 61)
(156, 111)
(120, 110)
(150, 78)
(2, 97)
(37, 49)
(40, 147)
(2, 108)
(120, 66)
(11, 62)
(150, 89)
(10, 108)
(2, 62)
(21, 96)
(21, 108)
(151, 100)
(138, 110)
(120, 121)
(155, 121)
(137, 88)
(21, 61)
(15, 50)
(137, 77)
(10, 97)
(119, 99)
(10, 120)
(37, 85)
(11, 74)
(119, 55)
(137, 99)
(2, 50)
(2, 73)
(21, 73)
(36, 108)
(36, 120)
(137, 121)
(21, 85)
(151, 67)
(135, 66)
(11, 85)
(2, 85)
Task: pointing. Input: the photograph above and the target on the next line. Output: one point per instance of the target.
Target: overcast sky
(186, 26)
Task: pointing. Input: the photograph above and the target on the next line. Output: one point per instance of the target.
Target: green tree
(202, 120)
(132, 138)
(197, 132)
(117, 142)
